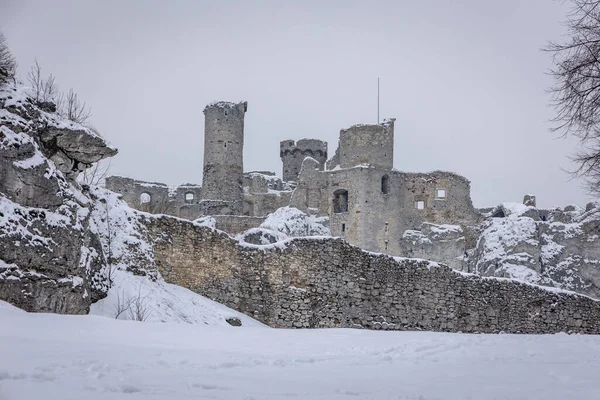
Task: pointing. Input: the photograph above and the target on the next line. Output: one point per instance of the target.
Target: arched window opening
(189, 197)
(340, 201)
(385, 184)
(145, 198)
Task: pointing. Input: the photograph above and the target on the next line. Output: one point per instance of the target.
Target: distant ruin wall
(321, 283)
(234, 224)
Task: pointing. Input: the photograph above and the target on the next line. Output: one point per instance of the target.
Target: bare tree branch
(42, 90)
(576, 90)
(70, 107)
(8, 65)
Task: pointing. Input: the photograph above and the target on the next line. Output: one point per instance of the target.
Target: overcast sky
(465, 80)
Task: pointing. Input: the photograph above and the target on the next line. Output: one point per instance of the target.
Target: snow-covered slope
(137, 297)
(59, 357)
(137, 290)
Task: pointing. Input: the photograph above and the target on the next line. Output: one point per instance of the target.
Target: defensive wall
(325, 282)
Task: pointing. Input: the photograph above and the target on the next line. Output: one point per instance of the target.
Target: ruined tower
(292, 154)
(222, 182)
(368, 144)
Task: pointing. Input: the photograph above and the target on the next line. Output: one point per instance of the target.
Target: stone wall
(150, 197)
(312, 283)
(292, 154)
(383, 204)
(234, 224)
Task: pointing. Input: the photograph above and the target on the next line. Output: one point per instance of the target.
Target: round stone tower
(368, 144)
(222, 181)
(292, 154)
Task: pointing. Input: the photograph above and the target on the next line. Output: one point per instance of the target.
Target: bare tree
(110, 233)
(69, 106)
(42, 89)
(8, 65)
(576, 91)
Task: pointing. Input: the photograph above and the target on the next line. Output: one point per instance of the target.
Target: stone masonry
(293, 154)
(222, 184)
(326, 283)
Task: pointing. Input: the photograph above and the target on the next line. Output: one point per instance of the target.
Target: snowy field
(45, 356)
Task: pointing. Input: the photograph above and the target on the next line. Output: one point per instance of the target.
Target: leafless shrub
(123, 304)
(69, 106)
(42, 89)
(139, 307)
(576, 91)
(136, 306)
(8, 65)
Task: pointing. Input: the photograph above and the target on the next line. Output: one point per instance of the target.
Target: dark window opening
(343, 227)
(340, 201)
(385, 184)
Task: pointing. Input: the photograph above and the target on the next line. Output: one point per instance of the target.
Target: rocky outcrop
(558, 247)
(50, 259)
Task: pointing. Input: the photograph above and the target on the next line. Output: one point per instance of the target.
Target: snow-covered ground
(44, 356)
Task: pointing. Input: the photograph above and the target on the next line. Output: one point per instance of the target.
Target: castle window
(340, 201)
(440, 194)
(385, 184)
(144, 198)
(420, 204)
(189, 197)
(343, 228)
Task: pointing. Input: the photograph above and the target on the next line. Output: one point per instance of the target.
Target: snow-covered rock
(49, 258)
(559, 247)
(295, 223)
(261, 236)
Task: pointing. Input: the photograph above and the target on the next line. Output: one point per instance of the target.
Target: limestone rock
(50, 259)
(555, 247)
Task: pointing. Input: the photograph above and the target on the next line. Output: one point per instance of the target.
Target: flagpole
(377, 100)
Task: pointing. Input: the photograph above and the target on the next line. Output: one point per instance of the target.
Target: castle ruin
(368, 202)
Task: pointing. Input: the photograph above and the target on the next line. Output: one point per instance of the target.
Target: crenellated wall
(292, 155)
(325, 282)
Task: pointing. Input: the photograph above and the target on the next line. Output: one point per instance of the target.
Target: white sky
(465, 80)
